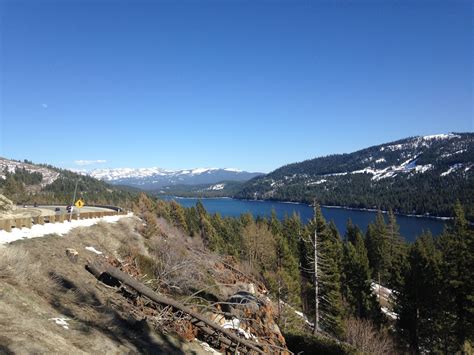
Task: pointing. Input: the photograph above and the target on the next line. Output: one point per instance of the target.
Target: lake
(410, 227)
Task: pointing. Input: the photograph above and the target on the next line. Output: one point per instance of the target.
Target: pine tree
(419, 304)
(397, 252)
(292, 229)
(378, 249)
(356, 277)
(457, 247)
(323, 255)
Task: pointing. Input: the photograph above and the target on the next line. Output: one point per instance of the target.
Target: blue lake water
(410, 227)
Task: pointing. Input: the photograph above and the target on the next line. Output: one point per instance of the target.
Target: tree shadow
(107, 320)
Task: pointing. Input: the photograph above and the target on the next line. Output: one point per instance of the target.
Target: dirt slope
(50, 304)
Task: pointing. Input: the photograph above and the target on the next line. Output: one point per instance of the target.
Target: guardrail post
(18, 223)
(28, 222)
(7, 225)
(39, 220)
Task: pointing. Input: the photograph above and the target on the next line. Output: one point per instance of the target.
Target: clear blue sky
(245, 84)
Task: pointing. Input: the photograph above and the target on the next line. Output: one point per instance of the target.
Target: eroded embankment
(50, 303)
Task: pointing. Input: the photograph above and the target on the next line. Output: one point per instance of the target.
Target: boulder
(6, 205)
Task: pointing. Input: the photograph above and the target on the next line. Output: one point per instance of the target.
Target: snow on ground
(94, 250)
(216, 187)
(316, 182)
(390, 171)
(384, 296)
(423, 168)
(48, 175)
(380, 290)
(54, 228)
(381, 160)
(451, 169)
(235, 325)
(207, 347)
(389, 313)
(61, 321)
(441, 136)
(298, 313)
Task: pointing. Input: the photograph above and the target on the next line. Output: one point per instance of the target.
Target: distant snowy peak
(152, 178)
(125, 173)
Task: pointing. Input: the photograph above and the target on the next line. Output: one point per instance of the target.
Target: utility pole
(73, 200)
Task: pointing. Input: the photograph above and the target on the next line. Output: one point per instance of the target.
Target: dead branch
(113, 277)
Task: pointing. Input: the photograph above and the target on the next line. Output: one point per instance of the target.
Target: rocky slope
(49, 303)
(49, 175)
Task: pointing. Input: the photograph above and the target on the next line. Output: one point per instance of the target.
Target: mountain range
(157, 178)
(416, 175)
(424, 174)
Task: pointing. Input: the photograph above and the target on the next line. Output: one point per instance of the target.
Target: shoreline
(440, 218)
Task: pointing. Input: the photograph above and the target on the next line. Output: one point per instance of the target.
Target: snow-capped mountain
(154, 178)
(402, 175)
(49, 175)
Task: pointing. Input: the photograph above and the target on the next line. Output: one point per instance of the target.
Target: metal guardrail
(27, 222)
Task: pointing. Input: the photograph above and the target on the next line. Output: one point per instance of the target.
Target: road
(49, 210)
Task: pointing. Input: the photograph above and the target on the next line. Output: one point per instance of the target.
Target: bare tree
(366, 338)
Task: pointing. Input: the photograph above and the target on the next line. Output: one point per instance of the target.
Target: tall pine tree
(328, 277)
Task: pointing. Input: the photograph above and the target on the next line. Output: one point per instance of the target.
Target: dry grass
(39, 282)
(17, 267)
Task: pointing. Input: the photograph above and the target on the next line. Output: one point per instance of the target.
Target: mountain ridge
(415, 175)
(155, 178)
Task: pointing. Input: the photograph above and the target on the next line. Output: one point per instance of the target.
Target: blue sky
(245, 84)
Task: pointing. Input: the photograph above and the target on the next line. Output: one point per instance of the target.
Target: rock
(6, 205)
(72, 254)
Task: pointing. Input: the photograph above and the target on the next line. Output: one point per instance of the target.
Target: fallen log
(113, 277)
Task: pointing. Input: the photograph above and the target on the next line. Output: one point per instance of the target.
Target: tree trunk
(111, 275)
(316, 286)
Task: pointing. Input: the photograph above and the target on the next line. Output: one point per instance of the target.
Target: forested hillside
(24, 182)
(428, 305)
(413, 176)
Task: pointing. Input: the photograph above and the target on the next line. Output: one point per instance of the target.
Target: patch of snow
(298, 313)
(446, 155)
(234, 323)
(451, 169)
(321, 181)
(381, 160)
(216, 187)
(38, 230)
(441, 136)
(94, 250)
(336, 174)
(49, 176)
(389, 313)
(423, 168)
(379, 289)
(61, 321)
(201, 170)
(207, 347)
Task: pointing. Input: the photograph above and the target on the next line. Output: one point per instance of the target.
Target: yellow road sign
(79, 203)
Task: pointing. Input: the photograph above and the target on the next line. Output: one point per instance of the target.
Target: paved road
(49, 210)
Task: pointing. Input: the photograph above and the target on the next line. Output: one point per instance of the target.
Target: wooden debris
(114, 277)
